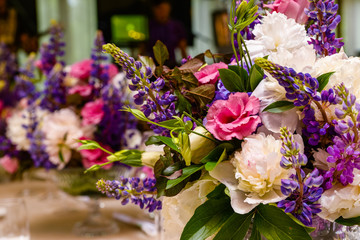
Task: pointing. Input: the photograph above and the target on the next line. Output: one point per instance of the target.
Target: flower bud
(200, 146)
(150, 158)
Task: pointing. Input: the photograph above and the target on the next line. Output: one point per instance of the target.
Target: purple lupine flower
(141, 192)
(54, 93)
(300, 88)
(149, 95)
(114, 124)
(52, 51)
(303, 191)
(37, 149)
(323, 13)
(99, 74)
(8, 70)
(24, 86)
(345, 150)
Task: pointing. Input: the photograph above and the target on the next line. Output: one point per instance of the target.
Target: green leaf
(216, 153)
(187, 172)
(209, 166)
(192, 65)
(207, 219)
(275, 224)
(161, 52)
(169, 142)
(182, 105)
(218, 192)
(256, 76)
(235, 227)
(279, 107)
(88, 145)
(172, 123)
(324, 80)
(231, 80)
(348, 221)
(148, 62)
(129, 157)
(255, 234)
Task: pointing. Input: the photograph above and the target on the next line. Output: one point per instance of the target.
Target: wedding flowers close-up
(256, 139)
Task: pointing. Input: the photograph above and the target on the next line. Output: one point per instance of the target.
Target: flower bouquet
(268, 141)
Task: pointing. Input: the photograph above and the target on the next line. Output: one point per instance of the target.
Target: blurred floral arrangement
(268, 141)
(46, 107)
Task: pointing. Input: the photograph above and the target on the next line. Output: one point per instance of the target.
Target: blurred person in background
(8, 24)
(169, 31)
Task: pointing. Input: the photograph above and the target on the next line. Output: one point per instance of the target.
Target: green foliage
(161, 52)
(148, 62)
(348, 221)
(235, 227)
(182, 105)
(207, 219)
(324, 80)
(275, 224)
(232, 81)
(279, 107)
(256, 76)
(186, 173)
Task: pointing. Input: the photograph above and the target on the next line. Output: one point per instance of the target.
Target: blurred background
(190, 26)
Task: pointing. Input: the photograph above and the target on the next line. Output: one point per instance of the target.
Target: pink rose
(10, 165)
(81, 69)
(92, 112)
(233, 118)
(291, 8)
(82, 90)
(210, 73)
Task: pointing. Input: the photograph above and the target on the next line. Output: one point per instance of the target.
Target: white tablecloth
(52, 213)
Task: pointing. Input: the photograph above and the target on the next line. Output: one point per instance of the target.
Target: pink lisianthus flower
(233, 118)
(210, 73)
(112, 70)
(291, 8)
(81, 70)
(91, 157)
(10, 165)
(92, 112)
(82, 90)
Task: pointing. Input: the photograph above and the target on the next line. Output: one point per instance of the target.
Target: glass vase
(326, 230)
(74, 182)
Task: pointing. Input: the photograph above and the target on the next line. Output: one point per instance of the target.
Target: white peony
(62, 129)
(15, 127)
(283, 40)
(347, 71)
(178, 210)
(340, 201)
(254, 174)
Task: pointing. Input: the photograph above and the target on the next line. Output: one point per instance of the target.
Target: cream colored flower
(347, 71)
(340, 201)
(200, 146)
(321, 162)
(62, 129)
(269, 91)
(16, 131)
(178, 210)
(254, 174)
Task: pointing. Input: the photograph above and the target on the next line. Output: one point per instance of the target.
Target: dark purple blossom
(149, 94)
(141, 192)
(52, 51)
(325, 20)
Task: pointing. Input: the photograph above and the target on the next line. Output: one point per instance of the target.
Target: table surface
(52, 213)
